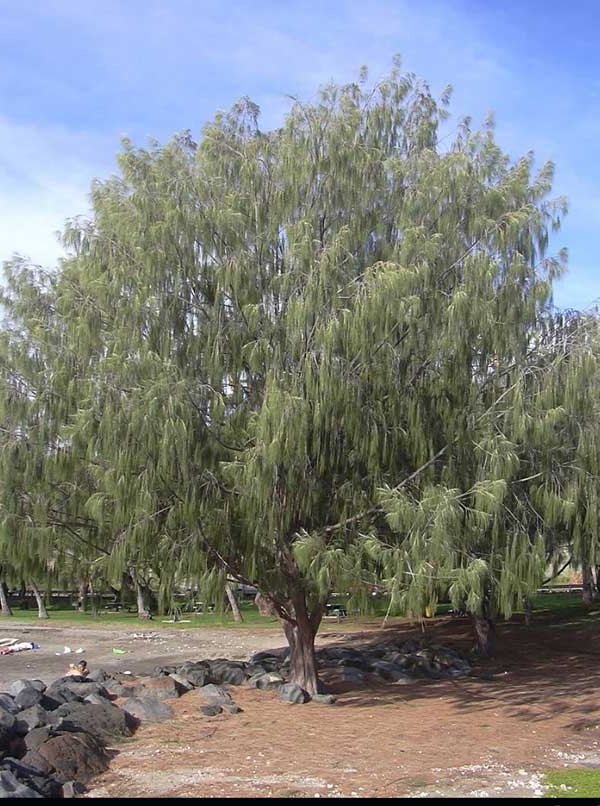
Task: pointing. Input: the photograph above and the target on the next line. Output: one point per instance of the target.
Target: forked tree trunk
(235, 608)
(588, 586)
(485, 633)
(42, 612)
(4, 605)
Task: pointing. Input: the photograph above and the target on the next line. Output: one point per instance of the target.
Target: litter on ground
(18, 647)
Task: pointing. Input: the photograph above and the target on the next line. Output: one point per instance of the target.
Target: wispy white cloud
(45, 174)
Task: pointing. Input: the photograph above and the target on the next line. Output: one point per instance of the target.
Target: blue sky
(75, 75)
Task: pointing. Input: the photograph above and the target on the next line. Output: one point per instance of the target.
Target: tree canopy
(307, 359)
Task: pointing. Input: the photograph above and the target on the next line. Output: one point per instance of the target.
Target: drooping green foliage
(307, 358)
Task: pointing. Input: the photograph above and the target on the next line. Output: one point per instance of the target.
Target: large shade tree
(297, 351)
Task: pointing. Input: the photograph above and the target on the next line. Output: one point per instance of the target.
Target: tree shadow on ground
(544, 671)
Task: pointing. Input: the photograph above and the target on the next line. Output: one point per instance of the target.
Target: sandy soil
(532, 708)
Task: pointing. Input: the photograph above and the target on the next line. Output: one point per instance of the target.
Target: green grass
(577, 783)
(555, 609)
(65, 616)
(68, 617)
(564, 610)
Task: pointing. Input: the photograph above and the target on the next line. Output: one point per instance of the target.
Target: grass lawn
(68, 617)
(573, 784)
(554, 609)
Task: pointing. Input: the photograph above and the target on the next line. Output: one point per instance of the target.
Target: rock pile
(54, 738)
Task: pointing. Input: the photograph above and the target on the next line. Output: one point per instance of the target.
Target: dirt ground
(143, 647)
(534, 707)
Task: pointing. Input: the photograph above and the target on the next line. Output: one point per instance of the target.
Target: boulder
(191, 664)
(33, 760)
(37, 736)
(339, 656)
(116, 689)
(30, 718)
(253, 669)
(389, 671)
(226, 671)
(7, 728)
(27, 697)
(324, 699)
(161, 688)
(75, 756)
(211, 709)
(11, 787)
(163, 670)
(270, 655)
(147, 709)
(182, 684)
(83, 688)
(121, 677)
(290, 692)
(105, 720)
(214, 694)
(397, 658)
(32, 776)
(95, 699)
(18, 685)
(351, 674)
(265, 680)
(196, 675)
(58, 693)
(7, 703)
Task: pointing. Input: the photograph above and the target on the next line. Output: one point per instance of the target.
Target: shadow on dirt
(541, 671)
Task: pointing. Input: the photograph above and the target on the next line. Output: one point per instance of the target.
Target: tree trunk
(528, 605)
(588, 587)
(265, 605)
(300, 634)
(485, 632)
(142, 609)
(93, 599)
(235, 608)
(42, 612)
(84, 587)
(597, 583)
(303, 664)
(4, 605)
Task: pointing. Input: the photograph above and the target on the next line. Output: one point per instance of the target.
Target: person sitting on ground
(78, 669)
